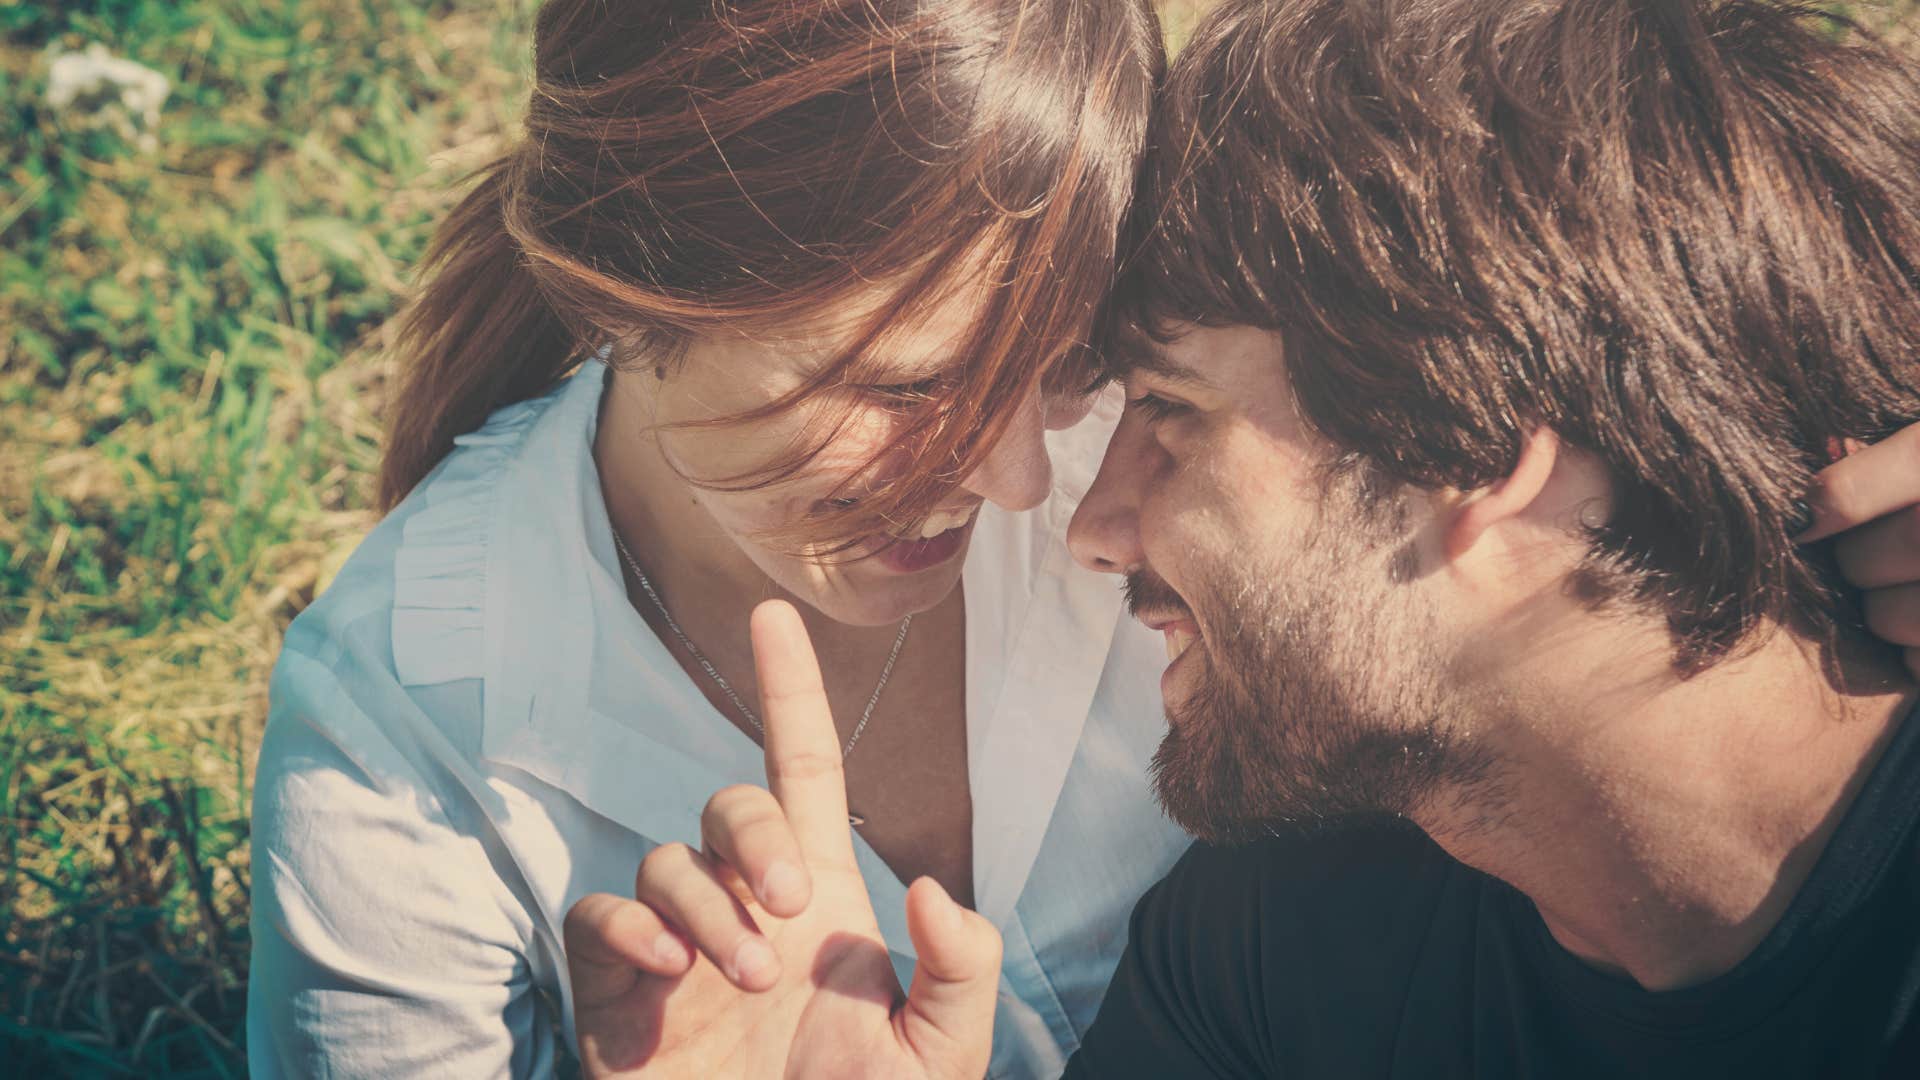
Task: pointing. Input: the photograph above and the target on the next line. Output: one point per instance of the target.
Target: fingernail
(783, 883)
(669, 950)
(1799, 517)
(753, 962)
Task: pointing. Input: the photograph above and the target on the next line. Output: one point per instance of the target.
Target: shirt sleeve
(384, 944)
(1187, 997)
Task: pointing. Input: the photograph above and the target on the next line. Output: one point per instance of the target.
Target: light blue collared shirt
(472, 728)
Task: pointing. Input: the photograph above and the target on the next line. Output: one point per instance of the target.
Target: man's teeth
(1177, 643)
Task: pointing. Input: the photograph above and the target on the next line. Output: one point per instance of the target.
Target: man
(1476, 356)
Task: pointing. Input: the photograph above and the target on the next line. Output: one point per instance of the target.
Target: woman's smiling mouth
(937, 539)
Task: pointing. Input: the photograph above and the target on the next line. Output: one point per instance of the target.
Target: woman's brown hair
(1684, 234)
(690, 166)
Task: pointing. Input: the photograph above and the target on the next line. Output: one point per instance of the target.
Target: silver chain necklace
(726, 687)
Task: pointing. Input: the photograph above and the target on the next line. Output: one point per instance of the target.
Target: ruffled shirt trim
(440, 566)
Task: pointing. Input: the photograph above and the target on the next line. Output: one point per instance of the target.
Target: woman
(821, 273)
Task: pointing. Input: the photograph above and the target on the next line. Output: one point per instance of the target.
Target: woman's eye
(907, 393)
(1154, 407)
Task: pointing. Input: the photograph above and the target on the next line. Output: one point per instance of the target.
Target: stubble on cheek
(1321, 696)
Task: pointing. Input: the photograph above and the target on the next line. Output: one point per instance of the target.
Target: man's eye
(1154, 407)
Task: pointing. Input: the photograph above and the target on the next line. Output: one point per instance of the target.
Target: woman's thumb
(948, 1018)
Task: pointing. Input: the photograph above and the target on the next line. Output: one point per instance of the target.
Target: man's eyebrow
(1132, 354)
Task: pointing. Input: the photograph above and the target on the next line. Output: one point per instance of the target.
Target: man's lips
(1159, 607)
(1180, 629)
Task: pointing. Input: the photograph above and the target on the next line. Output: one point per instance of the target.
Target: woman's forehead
(925, 323)
(925, 342)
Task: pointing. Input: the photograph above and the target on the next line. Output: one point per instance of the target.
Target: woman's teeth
(1177, 643)
(940, 523)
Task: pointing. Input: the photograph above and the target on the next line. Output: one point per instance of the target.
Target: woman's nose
(1017, 475)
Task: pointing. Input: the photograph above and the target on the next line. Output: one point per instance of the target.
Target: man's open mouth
(1178, 641)
(1161, 608)
(1179, 628)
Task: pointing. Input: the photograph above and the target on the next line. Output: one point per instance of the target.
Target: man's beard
(1322, 693)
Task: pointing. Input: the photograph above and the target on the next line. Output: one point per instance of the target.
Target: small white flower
(108, 89)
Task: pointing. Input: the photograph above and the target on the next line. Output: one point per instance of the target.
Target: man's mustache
(1146, 592)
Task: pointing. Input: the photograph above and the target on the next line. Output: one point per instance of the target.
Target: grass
(189, 389)
(191, 374)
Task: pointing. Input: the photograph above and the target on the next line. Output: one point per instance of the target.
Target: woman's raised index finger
(802, 747)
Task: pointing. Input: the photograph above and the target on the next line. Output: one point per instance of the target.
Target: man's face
(1309, 663)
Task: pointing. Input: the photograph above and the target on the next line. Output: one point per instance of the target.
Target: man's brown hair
(1684, 235)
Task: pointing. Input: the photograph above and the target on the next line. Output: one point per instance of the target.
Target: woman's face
(912, 567)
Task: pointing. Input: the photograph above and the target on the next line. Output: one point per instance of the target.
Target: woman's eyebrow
(868, 371)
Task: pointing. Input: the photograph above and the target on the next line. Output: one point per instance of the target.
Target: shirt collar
(579, 693)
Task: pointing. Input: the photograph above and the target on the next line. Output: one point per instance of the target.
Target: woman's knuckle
(1894, 614)
(1841, 493)
(730, 800)
(759, 824)
(805, 765)
(665, 859)
(586, 916)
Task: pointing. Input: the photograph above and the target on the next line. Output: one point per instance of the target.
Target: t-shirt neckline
(1857, 857)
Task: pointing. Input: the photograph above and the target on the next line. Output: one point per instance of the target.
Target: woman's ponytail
(480, 335)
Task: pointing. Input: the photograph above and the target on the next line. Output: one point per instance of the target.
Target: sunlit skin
(1183, 445)
(1668, 866)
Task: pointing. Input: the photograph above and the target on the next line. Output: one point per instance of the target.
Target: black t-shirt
(1369, 952)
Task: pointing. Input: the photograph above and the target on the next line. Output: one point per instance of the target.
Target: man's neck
(1662, 826)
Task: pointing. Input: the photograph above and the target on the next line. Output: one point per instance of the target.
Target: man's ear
(1511, 495)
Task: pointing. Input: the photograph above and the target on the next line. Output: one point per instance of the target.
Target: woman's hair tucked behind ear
(691, 166)
(1685, 234)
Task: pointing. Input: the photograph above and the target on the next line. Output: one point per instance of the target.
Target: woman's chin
(866, 595)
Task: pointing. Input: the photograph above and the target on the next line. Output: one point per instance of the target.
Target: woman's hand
(1871, 499)
(788, 975)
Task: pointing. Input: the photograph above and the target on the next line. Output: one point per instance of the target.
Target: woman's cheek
(856, 449)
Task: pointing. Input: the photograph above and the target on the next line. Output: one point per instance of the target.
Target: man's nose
(1017, 474)
(1105, 532)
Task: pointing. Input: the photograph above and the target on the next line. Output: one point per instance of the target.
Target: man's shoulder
(1290, 956)
(1348, 869)
(1334, 890)
(1360, 848)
